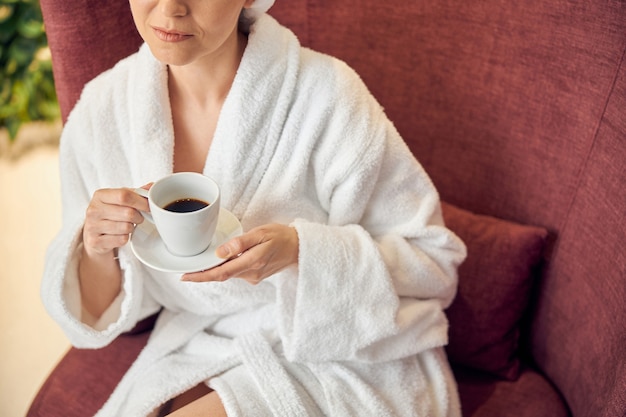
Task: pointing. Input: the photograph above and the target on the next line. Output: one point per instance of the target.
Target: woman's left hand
(254, 256)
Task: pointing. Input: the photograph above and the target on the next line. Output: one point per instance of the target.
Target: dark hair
(245, 22)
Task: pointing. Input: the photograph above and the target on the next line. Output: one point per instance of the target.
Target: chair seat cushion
(85, 378)
(531, 395)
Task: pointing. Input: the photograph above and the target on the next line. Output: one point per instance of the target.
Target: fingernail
(223, 251)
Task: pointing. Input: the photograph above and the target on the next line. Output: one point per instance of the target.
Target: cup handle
(144, 193)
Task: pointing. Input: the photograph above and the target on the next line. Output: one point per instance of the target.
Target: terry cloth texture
(358, 328)
(260, 6)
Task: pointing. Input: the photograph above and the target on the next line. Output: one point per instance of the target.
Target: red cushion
(494, 288)
(530, 396)
(85, 378)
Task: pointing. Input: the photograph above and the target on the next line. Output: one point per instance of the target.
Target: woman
(344, 241)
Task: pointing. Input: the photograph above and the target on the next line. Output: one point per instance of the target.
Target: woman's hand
(254, 256)
(110, 218)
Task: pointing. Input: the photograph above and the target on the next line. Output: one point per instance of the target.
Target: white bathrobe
(356, 329)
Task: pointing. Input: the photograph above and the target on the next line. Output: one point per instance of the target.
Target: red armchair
(516, 110)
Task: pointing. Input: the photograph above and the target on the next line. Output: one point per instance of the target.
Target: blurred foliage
(26, 85)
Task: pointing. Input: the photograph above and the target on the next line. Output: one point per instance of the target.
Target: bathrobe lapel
(249, 126)
(252, 117)
(151, 141)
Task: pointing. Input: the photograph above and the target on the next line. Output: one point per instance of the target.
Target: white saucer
(150, 249)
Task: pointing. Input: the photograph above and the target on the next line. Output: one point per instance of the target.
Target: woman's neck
(206, 82)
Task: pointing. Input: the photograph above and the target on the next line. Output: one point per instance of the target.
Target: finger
(251, 264)
(112, 213)
(116, 205)
(253, 256)
(145, 187)
(106, 235)
(227, 270)
(110, 218)
(109, 227)
(104, 243)
(240, 244)
(124, 197)
(132, 199)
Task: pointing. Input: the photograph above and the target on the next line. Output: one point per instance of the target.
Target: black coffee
(185, 205)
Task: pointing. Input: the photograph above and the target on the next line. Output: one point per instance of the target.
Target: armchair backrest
(516, 109)
(85, 39)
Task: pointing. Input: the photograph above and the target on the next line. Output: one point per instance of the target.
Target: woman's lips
(170, 35)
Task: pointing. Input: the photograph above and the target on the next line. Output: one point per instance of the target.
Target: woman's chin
(171, 55)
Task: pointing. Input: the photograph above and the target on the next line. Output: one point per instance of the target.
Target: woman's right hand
(110, 219)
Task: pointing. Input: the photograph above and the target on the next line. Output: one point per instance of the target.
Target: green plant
(26, 84)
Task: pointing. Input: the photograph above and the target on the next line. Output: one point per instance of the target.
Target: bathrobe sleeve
(374, 280)
(85, 166)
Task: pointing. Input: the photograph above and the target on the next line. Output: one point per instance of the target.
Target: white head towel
(259, 7)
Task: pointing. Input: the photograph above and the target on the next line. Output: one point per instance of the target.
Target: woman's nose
(173, 8)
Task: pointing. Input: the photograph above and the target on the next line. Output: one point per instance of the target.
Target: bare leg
(208, 406)
(199, 401)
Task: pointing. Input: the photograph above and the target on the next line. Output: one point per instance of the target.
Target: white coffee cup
(184, 208)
